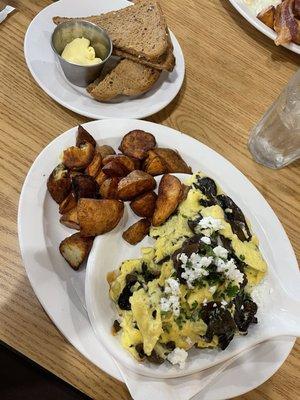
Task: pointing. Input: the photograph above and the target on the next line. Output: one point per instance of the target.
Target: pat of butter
(80, 52)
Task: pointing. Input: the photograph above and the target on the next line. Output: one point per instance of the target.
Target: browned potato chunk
(134, 184)
(70, 219)
(136, 232)
(267, 16)
(137, 143)
(59, 183)
(109, 188)
(144, 205)
(98, 216)
(78, 157)
(85, 186)
(93, 168)
(154, 164)
(185, 192)
(68, 203)
(101, 177)
(127, 162)
(105, 151)
(169, 196)
(172, 161)
(84, 137)
(115, 168)
(75, 249)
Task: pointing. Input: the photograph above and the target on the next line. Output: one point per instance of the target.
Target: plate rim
(92, 114)
(260, 26)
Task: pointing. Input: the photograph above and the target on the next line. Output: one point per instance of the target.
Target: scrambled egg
(143, 320)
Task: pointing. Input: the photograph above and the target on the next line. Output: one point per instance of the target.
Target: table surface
(233, 73)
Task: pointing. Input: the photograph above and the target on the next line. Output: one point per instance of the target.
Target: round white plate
(46, 71)
(250, 15)
(61, 290)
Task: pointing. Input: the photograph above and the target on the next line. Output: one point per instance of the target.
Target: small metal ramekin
(64, 33)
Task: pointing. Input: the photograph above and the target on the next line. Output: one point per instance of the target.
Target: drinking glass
(275, 140)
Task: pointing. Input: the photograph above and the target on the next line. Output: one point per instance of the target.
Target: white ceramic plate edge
(246, 13)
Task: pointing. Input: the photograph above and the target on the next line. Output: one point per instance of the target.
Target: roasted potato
(267, 16)
(134, 184)
(78, 158)
(154, 165)
(75, 249)
(84, 137)
(101, 177)
(98, 216)
(127, 162)
(68, 203)
(59, 183)
(169, 196)
(144, 205)
(172, 160)
(137, 143)
(115, 168)
(94, 167)
(105, 151)
(109, 188)
(136, 232)
(184, 192)
(85, 186)
(70, 219)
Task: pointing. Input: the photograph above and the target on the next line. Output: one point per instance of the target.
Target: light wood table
(232, 74)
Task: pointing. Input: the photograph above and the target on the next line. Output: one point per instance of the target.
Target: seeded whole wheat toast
(127, 78)
(139, 30)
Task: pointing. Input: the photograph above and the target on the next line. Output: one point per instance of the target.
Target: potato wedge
(84, 137)
(78, 158)
(127, 162)
(94, 167)
(75, 249)
(154, 165)
(85, 186)
(267, 16)
(101, 177)
(172, 161)
(144, 205)
(136, 232)
(68, 203)
(59, 183)
(105, 151)
(109, 188)
(115, 168)
(70, 219)
(137, 143)
(185, 192)
(99, 216)
(134, 184)
(169, 195)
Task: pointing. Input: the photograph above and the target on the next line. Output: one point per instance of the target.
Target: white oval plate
(46, 71)
(60, 290)
(250, 15)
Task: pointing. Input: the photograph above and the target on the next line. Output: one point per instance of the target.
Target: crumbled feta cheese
(212, 289)
(224, 302)
(205, 240)
(242, 307)
(210, 224)
(172, 286)
(230, 270)
(194, 267)
(205, 301)
(215, 305)
(170, 304)
(178, 356)
(220, 251)
(228, 210)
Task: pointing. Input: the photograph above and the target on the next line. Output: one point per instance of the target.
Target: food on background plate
(80, 52)
(92, 182)
(192, 288)
(141, 41)
(284, 18)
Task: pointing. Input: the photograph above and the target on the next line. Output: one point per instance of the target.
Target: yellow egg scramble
(144, 322)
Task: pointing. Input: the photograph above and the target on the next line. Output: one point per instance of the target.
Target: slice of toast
(127, 78)
(139, 30)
